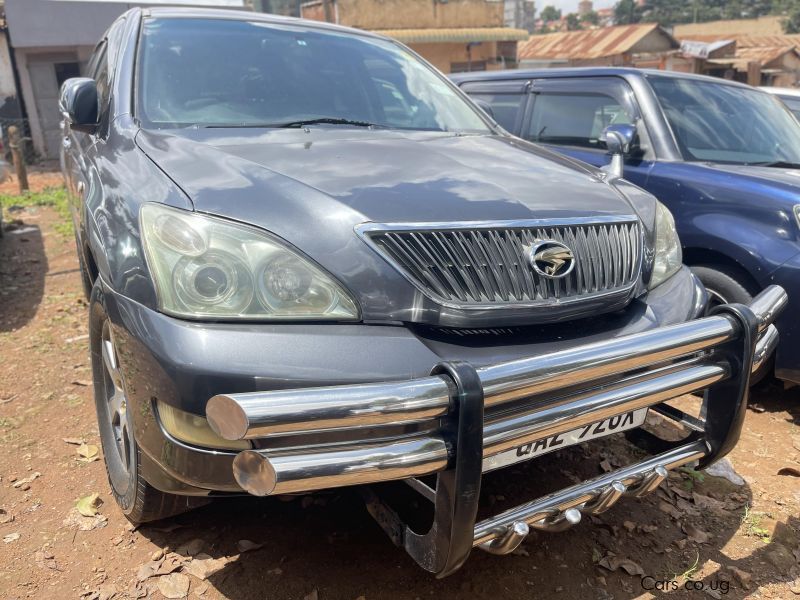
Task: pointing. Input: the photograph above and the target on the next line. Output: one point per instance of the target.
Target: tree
(550, 13)
(590, 18)
(573, 22)
(627, 12)
(791, 24)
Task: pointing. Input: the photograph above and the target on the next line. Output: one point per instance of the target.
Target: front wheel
(725, 286)
(140, 502)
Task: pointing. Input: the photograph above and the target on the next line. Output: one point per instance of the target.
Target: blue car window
(505, 107)
(718, 122)
(574, 119)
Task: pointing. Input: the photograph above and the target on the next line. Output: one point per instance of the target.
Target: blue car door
(570, 114)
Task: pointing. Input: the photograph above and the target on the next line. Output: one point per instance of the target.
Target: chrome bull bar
(459, 416)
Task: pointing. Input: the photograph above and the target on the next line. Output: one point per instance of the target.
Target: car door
(507, 99)
(570, 114)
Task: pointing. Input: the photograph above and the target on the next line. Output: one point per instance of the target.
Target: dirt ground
(720, 539)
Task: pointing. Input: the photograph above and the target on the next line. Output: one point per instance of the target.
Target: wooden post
(754, 73)
(14, 142)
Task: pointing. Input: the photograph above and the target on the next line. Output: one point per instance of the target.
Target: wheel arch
(695, 257)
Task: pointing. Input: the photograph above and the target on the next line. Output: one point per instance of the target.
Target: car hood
(313, 187)
(765, 175)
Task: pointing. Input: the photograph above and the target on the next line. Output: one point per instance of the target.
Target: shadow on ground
(23, 265)
(330, 544)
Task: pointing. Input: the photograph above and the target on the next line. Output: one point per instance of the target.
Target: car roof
(561, 72)
(782, 91)
(172, 12)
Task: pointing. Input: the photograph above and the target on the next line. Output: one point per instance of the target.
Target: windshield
(729, 124)
(219, 72)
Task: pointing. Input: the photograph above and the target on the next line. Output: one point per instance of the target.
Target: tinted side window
(504, 106)
(574, 119)
(100, 75)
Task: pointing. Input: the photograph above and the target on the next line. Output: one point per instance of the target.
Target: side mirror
(485, 107)
(78, 104)
(619, 141)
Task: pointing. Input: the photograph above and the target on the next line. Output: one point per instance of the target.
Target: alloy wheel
(116, 400)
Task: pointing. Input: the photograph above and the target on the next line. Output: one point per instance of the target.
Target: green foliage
(627, 12)
(573, 22)
(550, 13)
(671, 12)
(590, 18)
(53, 196)
(791, 24)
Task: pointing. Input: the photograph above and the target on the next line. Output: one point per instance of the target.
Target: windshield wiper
(778, 164)
(327, 121)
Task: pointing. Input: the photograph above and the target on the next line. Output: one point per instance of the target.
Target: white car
(789, 96)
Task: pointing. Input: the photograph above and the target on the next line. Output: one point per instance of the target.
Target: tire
(139, 501)
(724, 284)
(728, 285)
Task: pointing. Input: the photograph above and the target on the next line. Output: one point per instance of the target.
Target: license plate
(598, 429)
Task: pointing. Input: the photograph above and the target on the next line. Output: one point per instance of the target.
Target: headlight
(209, 267)
(668, 252)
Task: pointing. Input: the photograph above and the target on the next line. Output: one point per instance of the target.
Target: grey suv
(313, 262)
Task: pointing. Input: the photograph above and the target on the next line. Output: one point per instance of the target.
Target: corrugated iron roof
(763, 56)
(747, 41)
(587, 44)
(765, 25)
(463, 35)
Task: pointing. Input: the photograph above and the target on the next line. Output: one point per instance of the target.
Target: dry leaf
(88, 505)
(5, 516)
(794, 586)
(314, 595)
(612, 563)
(204, 566)
(708, 503)
(88, 452)
(45, 560)
(247, 545)
(73, 441)
(606, 466)
(191, 548)
(167, 528)
(11, 537)
(695, 534)
(147, 570)
(75, 520)
(669, 509)
(174, 585)
(743, 576)
(171, 562)
(790, 471)
(19, 483)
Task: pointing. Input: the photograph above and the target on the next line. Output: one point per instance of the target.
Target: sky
(568, 6)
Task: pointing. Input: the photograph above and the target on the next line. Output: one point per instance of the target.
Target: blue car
(722, 156)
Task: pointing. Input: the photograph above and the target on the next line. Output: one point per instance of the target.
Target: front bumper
(447, 423)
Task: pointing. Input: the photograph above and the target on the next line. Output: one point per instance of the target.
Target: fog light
(194, 430)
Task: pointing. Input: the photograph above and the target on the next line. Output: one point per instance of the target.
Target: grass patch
(52, 196)
(752, 524)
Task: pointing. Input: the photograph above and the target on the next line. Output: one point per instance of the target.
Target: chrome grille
(469, 264)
